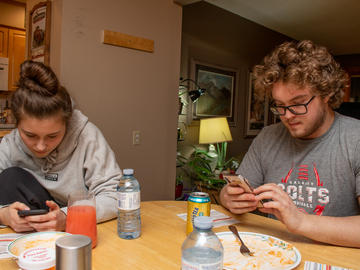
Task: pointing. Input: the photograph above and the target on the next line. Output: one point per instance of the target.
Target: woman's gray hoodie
(82, 161)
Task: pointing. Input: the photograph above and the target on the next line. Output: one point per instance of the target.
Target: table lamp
(193, 94)
(216, 130)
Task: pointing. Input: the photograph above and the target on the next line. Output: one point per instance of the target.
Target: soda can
(198, 205)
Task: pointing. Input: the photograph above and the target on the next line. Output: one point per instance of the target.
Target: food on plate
(269, 253)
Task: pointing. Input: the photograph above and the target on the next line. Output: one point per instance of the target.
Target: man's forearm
(342, 231)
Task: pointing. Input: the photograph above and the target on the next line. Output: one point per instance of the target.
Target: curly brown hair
(302, 63)
(39, 93)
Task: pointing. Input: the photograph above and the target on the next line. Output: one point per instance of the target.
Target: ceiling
(332, 23)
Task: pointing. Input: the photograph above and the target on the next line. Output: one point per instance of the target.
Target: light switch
(136, 137)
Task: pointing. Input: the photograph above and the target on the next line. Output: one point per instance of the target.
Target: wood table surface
(163, 232)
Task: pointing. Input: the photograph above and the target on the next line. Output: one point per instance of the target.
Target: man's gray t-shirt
(322, 175)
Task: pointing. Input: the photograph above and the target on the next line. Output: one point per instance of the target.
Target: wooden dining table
(163, 232)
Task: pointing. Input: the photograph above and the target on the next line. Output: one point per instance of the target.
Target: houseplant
(203, 177)
(198, 167)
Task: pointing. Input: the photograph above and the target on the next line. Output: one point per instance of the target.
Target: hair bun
(38, 77)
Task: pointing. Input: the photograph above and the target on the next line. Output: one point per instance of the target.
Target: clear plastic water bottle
(202, 249)
(128, 222)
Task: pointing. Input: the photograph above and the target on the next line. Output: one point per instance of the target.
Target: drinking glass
(81, 215)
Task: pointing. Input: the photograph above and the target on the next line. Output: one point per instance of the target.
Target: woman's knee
(15, 174)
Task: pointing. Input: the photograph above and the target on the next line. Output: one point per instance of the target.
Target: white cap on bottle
(128, 171)
(203, 222)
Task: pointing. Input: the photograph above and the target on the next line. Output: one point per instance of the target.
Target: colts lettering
(306, 194)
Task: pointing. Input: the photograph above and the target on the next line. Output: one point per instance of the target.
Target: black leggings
(18, 185)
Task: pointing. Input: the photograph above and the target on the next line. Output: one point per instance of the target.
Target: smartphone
(33, 212)
(239, 180)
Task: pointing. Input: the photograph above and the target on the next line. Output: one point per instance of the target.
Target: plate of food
(38, 239)
(268, 252)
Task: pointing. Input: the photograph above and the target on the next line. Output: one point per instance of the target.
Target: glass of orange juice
(81, 215)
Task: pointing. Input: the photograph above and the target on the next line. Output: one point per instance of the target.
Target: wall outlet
(136, 137)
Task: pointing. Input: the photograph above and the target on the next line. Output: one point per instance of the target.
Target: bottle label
(186, 265)
(128, 200)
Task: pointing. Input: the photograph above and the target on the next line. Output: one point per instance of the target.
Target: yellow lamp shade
(214, 130)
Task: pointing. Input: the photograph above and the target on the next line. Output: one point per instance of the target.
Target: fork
(243, 248)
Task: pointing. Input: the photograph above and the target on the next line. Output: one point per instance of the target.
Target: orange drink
(81, 215)
(81, 219)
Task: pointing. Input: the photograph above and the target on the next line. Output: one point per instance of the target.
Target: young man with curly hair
(307, 167)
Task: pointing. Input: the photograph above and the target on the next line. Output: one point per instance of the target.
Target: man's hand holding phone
(238, 196)
(238, 180)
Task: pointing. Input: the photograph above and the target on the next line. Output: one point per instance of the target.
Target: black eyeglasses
(297, 109)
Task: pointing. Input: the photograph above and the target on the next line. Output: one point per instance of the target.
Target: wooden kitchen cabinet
(16, 54)
(4, 35)
(12, 46)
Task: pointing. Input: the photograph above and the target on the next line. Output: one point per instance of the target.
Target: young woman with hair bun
(54, 150)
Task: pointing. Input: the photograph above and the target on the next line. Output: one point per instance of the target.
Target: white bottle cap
(128, 171)
(38, 258)
(203, 222)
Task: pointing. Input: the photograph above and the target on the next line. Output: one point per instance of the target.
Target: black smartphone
(33, 212)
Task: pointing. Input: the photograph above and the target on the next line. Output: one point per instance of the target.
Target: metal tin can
(198, 205)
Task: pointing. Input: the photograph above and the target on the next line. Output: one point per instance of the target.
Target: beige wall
(122, 90)
(12, 14)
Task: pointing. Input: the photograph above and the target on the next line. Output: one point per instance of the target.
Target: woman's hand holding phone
(54, 220)
(33, 220)
(9, 217)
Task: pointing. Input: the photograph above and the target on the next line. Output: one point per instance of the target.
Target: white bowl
(38, 239)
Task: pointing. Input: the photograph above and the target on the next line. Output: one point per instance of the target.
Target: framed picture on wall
(257, 111)
(219, 98)
(39, 31)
